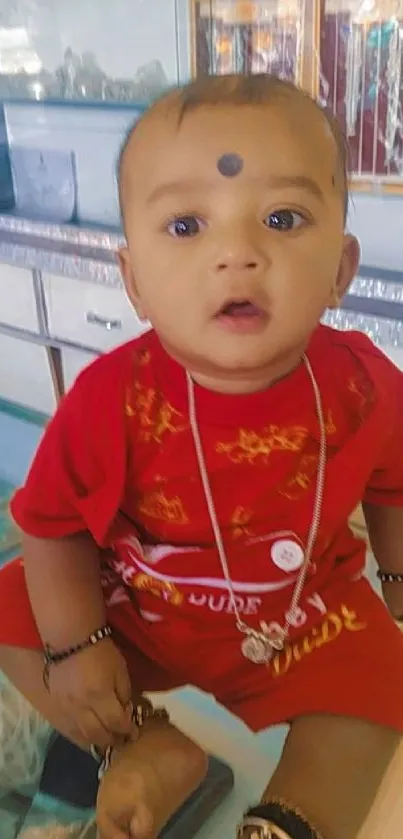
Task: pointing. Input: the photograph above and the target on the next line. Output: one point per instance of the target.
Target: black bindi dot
(230, 165)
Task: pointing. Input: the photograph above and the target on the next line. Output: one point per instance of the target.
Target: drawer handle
(106, 323)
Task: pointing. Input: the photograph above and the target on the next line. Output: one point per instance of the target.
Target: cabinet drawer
(395, 354)
(17, 298)
(89, 314)
(74, 362)
(25, 375)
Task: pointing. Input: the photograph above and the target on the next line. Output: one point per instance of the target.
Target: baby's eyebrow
(296, 182)
(183, 187)
(180, 187)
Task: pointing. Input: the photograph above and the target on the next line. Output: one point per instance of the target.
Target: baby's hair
(258, 89)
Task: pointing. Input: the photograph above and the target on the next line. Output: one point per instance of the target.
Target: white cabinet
(88, 314)
(25, 375)
(73, 361)
(395, 354)
(17, 298)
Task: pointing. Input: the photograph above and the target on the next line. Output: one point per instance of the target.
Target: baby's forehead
(205, 140)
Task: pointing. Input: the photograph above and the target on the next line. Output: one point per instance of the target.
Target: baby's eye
(284, 220)
(183, 227)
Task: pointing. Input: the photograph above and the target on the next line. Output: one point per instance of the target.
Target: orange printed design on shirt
(306, 469)
(330, 426)
(250, 446)
(144, 357)
(157, 506)
(156, 416)
(330, 629)
(159, 479)
(301, 481)
(240, 520)
(159, 588)
(362, 389)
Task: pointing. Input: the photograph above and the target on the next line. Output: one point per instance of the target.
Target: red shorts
(349, 663)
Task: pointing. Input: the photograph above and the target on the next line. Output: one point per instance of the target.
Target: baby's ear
(129, 280)
(348, 268)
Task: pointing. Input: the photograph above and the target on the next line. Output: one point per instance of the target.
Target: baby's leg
(148, 782)
(331, 771)
(342, 685)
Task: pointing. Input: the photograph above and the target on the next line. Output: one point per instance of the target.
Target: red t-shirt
(118, 460)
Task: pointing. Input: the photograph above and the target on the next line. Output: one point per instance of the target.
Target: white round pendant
(287, 555)
(256, 650)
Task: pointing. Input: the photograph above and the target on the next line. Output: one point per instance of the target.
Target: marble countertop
(66, 250)
(374, 304)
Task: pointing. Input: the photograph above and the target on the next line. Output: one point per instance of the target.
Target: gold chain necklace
(258, 646)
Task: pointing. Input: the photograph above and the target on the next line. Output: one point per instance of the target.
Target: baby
(185, 519)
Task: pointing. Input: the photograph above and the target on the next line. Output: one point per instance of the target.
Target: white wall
(378, 222)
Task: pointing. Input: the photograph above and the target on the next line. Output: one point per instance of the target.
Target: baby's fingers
(122, 825)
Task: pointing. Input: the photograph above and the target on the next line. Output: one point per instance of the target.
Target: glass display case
(73, 78)
(248, 37)
(347, 53)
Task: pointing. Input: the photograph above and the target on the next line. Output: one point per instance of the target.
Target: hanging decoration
(394, 108)
(353, 76)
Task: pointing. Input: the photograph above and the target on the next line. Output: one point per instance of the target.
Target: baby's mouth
(240, 309)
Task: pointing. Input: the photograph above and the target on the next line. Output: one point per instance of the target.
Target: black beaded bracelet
(277, 819)
(51, 656)
(388, 577)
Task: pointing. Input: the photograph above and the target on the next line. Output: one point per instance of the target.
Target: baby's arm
(92, 687)
(383, 496)
(148, 782)
(385, 529)
(64, 585)
(149, 779)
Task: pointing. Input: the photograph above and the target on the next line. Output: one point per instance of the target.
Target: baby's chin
(237, 374)
(230, 356)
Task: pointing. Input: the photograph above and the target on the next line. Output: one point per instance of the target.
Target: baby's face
(235, 231)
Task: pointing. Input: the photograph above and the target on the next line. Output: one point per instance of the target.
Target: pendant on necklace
(256, 650)
(274, 634)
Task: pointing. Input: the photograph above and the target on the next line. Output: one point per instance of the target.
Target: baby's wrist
(54, 657)
(147, 720)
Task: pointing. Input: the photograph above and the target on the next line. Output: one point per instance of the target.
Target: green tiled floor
(9, 536)
(41, 819)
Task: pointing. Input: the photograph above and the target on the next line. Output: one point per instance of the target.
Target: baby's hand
(94, 692)
(148, 782)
